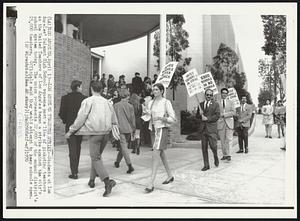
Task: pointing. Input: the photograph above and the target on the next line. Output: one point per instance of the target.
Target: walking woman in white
(161, 115)
(267, 111)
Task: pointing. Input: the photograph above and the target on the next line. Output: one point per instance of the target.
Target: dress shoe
(228, 158)
(266, 136)
(205, 168)
(279, 136)
(223, 158)
(73, 176)
(111, 184)
(130, 169)
(240, 151)
(216, 162)
(138, 151)
(246, 150)
(149, 190)
(117, 164)
(133, 151)
(283, 148)
(270, 137)
(91, 183)
(168, 180)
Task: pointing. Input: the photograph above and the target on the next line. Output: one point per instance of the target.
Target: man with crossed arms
(226, 124)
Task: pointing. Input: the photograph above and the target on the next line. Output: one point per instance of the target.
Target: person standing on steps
(125, 114)
(209, 113)
(226, 124)
(69, 108)
(243, 118)
(161, 115)
(96, 118)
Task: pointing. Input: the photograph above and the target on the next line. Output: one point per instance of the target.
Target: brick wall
(72, 60)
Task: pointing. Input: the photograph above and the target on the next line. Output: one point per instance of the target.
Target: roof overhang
(102, 30)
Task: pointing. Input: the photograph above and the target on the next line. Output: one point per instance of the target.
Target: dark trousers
(123, 150)
(74, 143)
(145, 134)
(243, 137)
(212, 140)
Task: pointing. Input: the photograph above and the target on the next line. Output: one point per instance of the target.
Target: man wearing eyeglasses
(209, 112)
(226, 124)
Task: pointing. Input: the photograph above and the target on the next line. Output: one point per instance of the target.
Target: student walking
(125, 114)
(161, 115)
(96, 118)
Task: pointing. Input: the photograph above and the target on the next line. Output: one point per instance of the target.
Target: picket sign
(192, 82)
(166, 74)
(232, 95)
(208, 82)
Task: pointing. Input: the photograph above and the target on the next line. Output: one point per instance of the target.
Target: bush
(189, 122)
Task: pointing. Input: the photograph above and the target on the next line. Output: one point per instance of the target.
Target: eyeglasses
(208, 95)
(224, 93)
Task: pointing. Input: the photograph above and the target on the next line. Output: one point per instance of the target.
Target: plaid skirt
(161, 141)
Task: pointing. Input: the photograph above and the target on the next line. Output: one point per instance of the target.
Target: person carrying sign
(209, 114)
(226, 124)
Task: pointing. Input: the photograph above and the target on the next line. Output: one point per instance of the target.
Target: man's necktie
(206, 105)
(223, 103)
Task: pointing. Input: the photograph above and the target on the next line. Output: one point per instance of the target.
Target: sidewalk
(253, 178)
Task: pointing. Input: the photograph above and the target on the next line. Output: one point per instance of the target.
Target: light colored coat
(228, 112)
(245, 115)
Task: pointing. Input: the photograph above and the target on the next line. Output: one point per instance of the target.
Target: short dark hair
(137, 73)
(155, 75)
(110, 76)
(160, 87)
(224, 89)
(75, 84)
(96, 75)
(96, 86)
(208, 89)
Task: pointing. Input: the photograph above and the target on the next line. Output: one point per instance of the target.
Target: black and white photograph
(137, 107)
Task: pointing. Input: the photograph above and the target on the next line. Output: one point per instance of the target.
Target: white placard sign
(232, 95)
(208, 82)
(166, 74)
(192, 82)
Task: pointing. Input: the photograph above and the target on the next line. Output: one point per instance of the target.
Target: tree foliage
(177, 39)
(263, 96)
(274, 46)
(224, 66)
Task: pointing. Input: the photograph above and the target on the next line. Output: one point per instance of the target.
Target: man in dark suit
(243, 119)
(137, 83)
(209, 113)
(69, 107)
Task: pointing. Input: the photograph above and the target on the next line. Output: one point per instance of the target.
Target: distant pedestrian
(125, 114)
(161, 115)
(243, 120)
(267, 111)
(280, 118)
(96, 118)
(111, 84)
(154, 78)
(137, 83)
(69, 108)
(103, 81)
(138, 112)
(209, 114)
(226, 124)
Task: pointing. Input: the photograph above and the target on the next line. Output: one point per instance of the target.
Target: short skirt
(267, 119)
(161, 138)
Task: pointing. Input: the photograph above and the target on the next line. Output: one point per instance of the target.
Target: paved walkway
(253, 178)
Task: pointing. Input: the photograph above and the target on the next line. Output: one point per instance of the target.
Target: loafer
(130, 169)
(73, 176)
(149, 190)
(205, 168)
(228, 158)
(240, 151)
(283, 148)
(223, 158)
(169, 181)
(91, 183)
(109, 187)
(117, 164)
(270, 137)
(216, 162)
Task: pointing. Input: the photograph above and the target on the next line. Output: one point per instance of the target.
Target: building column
(64, 23)
(163, 39)
(148, 53)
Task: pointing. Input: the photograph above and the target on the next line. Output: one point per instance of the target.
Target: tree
(177, 39)
(275, 46)
(263, 96)
(224, 66)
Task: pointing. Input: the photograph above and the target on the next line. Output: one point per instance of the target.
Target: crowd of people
(274, 114)
(125, 114)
